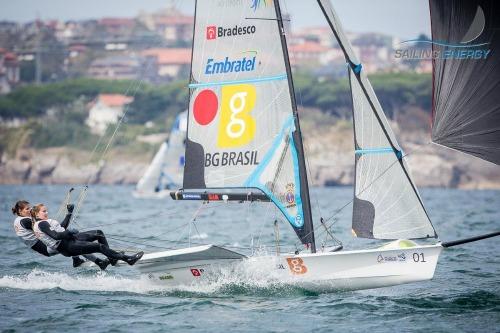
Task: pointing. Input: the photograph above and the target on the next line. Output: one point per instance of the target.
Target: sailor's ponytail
(18, 206)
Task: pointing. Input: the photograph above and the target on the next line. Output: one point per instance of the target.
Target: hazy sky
(402, 18)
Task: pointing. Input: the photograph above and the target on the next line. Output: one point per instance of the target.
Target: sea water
(46, 294)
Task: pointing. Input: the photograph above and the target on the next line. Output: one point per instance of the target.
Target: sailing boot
(102, 263)
(133, 258)
(77, 261)
(113, 261)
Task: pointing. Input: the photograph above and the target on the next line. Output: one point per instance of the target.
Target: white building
(106, 109)
(9, 71)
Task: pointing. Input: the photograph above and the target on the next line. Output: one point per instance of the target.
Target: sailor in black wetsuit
(72, 243)
(23, 229)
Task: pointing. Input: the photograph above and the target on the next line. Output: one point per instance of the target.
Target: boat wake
(38, 279)
(238, 280)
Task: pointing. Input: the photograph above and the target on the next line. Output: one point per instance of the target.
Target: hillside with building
(66, 85)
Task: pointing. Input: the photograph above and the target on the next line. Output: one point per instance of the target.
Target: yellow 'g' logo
(236, 125)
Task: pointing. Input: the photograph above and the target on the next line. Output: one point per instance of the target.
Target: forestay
(466, 76)
(386, 202)
(242, 124)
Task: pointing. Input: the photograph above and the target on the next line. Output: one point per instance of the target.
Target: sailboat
(165, 170)
(244, 143)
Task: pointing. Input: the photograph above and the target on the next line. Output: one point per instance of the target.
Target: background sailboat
(166, 169)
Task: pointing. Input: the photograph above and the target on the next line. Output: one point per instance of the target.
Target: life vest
(27, 235)
(50, 242)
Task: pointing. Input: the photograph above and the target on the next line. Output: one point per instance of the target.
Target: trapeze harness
(50, 242)
(73, 244)
(25, 234)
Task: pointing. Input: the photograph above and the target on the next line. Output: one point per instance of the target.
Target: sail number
(419, 257)
(297, 266)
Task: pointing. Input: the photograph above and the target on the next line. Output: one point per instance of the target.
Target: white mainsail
(242, 123)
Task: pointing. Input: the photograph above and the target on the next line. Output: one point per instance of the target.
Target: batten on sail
(242, 122)
(466, 76)
(386, 202)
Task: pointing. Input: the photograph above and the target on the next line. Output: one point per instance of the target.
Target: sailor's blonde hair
(35, 210)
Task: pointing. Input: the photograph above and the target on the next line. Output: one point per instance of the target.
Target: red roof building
(170, 62)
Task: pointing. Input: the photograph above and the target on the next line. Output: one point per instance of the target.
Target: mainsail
(166, 168)
(243, 130)
(466, 76)
(386, 202)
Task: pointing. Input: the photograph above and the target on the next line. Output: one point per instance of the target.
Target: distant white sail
(166, 168)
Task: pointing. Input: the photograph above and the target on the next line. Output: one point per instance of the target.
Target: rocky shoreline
(430, 166)
(64, 166)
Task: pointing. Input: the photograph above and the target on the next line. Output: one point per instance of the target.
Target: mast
(297, 136)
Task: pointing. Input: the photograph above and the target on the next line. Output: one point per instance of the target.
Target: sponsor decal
(296, 266)
(245, 64)
(400, 257)
(166, 277)
(211, 32)
(280, 266)
(214, 32)
(230, 3)
(236, 126)
(196, 272)
(212, 196)
(191, 196)
(290, 195)
(256, 4)
(298, 220)
(205, 107)
(248, 157)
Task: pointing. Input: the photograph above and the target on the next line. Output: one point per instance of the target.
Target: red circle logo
(205, 107)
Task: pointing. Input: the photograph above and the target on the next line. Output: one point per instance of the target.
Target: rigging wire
(62, 206)
(137, 84)
(305, 146)
(83, 192)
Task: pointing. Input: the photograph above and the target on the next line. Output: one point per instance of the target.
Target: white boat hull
(343, 270)
(364, 269)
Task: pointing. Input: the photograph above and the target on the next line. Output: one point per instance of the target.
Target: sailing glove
(70, 208)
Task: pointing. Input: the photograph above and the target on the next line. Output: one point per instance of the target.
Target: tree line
(55, 113)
